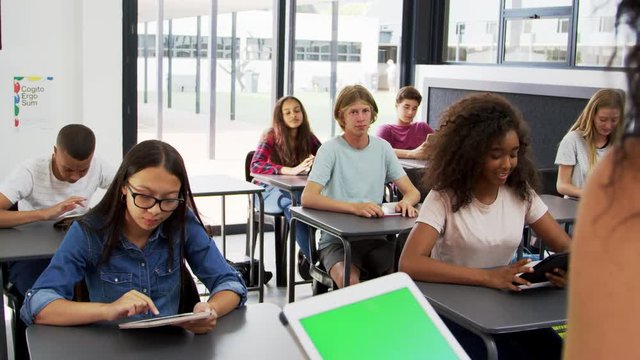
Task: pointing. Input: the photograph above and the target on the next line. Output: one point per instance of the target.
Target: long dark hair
(468, 128)
(289, 150)
(109, 215)
(628, 13)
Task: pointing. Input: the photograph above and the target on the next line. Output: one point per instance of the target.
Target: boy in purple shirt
(407, 138)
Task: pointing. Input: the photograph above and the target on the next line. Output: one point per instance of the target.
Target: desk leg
(252, 274)
(223, 233)
(3, 329)
(261, 254)
(492, 350)
(347, 262)
(291, 279)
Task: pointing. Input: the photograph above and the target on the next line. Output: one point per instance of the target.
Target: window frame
(561, 13)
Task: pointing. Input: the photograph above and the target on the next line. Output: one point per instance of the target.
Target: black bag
(243, 269)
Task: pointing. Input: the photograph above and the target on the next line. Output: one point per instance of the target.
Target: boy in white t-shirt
(471, 223)
(50, 186)
(47, 188)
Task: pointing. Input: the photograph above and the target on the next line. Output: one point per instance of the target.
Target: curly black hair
(468, 129)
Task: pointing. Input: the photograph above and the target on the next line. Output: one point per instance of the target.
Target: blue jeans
(23, 274)
(279, 201)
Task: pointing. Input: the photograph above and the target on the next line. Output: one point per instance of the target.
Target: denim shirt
(145, 270)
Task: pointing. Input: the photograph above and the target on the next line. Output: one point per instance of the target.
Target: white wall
(528, 75)
(79, 44)
(547, 76)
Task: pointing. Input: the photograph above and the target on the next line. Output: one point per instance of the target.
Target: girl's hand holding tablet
(558, 278)
(504, 277)
(201, 326)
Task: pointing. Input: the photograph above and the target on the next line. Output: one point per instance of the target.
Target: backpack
(243, 268)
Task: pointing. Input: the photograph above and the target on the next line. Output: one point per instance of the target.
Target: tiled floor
(235, 249)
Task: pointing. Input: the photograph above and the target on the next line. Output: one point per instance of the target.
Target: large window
(536, 32)
(346, 42)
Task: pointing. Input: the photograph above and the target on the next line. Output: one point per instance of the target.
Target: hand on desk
(129, 304)
(201, 326)
(406, 209)
(420, 152)
(504, 277)
(62, 207)
(374, 210)
(302, 168)
(369, 209)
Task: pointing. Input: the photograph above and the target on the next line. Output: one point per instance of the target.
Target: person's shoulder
(421, 125)
(575, 135)
(379, 143)
(333, 142)
(268, 135)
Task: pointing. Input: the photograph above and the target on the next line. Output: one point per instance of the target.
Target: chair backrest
(548, 180)
(4, 268)
(247, 166)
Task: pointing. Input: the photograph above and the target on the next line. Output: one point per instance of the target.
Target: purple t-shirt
(405, 137)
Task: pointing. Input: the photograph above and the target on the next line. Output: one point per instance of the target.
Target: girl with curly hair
(470, 224)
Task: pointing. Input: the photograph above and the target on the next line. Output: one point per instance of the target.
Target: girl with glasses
(129, 250)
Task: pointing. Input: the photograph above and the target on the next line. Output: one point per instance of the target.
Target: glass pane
(537, 40)
(522, 4)
(597, 40)
(472, 32)
(242, 88)
(367, 54)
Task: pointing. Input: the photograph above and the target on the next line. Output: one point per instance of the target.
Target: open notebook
(384, 318)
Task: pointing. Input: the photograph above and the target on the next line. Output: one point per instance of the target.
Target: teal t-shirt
(355, 175)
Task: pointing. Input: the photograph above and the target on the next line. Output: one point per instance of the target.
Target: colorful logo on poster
(30, 97)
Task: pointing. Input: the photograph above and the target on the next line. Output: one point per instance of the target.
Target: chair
(548, 180)
(321, 280)
(280, 227)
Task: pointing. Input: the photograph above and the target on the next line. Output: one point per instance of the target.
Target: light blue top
(355, 175)
(129, 267)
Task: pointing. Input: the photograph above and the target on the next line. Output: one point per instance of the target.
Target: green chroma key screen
(389, 326)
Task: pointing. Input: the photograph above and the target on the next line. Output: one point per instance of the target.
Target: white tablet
(165, 320)
(383, 318)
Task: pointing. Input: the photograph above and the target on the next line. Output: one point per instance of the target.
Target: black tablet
(554, 261)
(66, 222)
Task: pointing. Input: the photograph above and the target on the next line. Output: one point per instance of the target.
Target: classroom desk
(342, 226)
(223, 185)
(563, 210)
(293, 184)
(253, 332)
(486, 311)
(38, 240)
(290, 183)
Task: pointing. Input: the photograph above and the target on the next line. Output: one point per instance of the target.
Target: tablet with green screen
(384, 318)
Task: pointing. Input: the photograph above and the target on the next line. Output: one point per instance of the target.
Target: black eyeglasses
(147, 202)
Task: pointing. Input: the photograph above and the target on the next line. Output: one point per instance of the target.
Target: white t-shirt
(479, 235)
(572, 151)
(33, 185)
